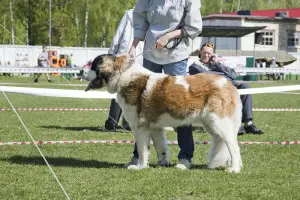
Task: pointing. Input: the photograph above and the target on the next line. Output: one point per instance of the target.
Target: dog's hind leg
(160, 143)
(142, 138)
(224, 129)
(218, 155)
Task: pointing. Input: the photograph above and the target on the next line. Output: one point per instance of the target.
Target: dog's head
(104, 68)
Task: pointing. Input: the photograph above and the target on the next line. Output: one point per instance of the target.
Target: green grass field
(95, 171)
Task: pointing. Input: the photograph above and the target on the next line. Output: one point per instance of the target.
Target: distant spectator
(272, 65)
(43, 61)
(70, 60)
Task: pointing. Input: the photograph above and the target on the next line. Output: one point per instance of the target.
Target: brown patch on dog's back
(133, 92)
(168, 97)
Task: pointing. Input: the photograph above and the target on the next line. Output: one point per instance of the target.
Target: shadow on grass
(200, 167)
(73, 162)
(62, 162)
(83, 128)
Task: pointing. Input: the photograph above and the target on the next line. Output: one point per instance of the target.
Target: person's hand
(132, 52)
(214, 59)
(161, 42)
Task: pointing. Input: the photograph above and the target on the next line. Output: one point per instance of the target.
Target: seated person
(208, 63)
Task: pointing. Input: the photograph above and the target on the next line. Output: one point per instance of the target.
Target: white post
(12, 23)
(50, 23)
(86, 24)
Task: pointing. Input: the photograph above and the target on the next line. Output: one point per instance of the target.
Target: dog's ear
(96, 62)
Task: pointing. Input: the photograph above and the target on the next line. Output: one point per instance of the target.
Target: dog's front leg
(142, 139)
(160, 142)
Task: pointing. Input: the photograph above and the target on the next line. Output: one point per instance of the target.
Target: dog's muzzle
(88, 74)
(94, 84)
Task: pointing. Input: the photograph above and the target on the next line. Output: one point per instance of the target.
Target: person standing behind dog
(43, 61)
(165, 27)
(208, 63)
(121, 43)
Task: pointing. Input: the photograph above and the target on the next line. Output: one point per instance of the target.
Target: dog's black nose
(81, 72)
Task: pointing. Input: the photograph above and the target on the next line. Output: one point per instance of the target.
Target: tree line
(90, 23)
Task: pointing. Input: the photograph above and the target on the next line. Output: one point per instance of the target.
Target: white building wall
(248, 44)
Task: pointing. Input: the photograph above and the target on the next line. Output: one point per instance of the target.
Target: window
(259, 38)
(265, 38)
(293, 39)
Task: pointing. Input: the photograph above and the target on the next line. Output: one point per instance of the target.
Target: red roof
(293, 12)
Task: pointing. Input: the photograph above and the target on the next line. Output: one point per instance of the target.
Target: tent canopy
(228, 31)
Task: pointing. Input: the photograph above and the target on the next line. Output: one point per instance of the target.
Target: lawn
(95, 171)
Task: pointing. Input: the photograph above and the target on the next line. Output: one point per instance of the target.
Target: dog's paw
(233, 170)
(143, 166)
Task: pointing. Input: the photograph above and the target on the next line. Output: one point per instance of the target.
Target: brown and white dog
(152, 101)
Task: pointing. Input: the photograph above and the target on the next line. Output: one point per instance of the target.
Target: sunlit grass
(95, 171)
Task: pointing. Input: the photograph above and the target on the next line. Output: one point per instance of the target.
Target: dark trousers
(114, 116)
(247, 114)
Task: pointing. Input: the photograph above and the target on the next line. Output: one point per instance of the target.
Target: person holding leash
(166, 27)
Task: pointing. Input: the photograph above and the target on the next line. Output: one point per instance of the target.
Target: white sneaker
(133, 162)
(184, 164)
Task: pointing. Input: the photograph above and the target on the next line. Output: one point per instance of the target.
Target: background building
(280, 38)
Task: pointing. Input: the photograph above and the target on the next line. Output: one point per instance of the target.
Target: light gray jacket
(154, 18)
(123, 38)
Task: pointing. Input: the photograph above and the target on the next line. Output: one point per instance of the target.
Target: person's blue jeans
(184, 133)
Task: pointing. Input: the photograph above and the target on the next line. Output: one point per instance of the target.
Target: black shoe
(109, 127)
(126, 126)
(107, 130)
(241, 130)
(253, 129)
(35, 80)
(50, 81)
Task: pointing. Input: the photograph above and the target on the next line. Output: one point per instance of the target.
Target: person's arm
(162, 41)
(219, 67)
(140, 21)
(132, 50)
(118, 37)
(193, 21)
(192, 25)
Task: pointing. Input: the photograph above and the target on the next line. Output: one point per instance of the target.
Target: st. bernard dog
(151, 101)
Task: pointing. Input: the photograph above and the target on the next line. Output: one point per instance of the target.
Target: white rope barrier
(30, 70)
(59, 92)
(105, 95)
(269, 89)
(49, 84)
